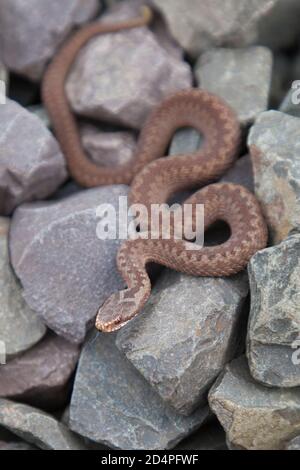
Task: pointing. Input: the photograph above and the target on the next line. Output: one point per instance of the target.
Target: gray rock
(108, 148)
(246, 84)
(39, 111)
(241, 173)
(20, 328)
(280, 28)
(113, 405)
(274, 143)
(16, 446)
(32, 165)
(185, 141)
(254, 417)
(289, 106)
(65, 270)
(31, 32)
(210, 23)
(211, 436)
(182, 362)
(37, 427)
(41, 376)
(294, 444)
(274, 325)
(119, 77)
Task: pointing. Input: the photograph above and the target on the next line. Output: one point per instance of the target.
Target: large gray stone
(274, 143)
(108, 148)
(20, 328)
(274, 325)
(119, 77)
(66, 270)
(182, 362)
(245, 85)
(37, 427)
(254, 417)
(113, 405)
(202, 24)
(32, 31)
(41, 376)
(31, 163)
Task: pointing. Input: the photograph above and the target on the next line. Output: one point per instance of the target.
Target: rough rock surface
(119, 77)
(15, 315)
(294, 444)
(41, 376)
(246, 84)
(274, 143)
(39, 111)
(37, 427)
(108, 148)
(32, 165)
(208, 23)
(21, 21)
(254, 417)
(181, 362)
(66, 270)
(274, 325)
(280, 28)
(113, 405)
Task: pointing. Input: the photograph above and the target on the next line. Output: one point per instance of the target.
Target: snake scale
(155, 177)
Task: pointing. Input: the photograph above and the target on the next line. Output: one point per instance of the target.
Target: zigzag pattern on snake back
(157, 177)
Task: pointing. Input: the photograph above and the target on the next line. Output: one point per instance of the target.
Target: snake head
(118, 309)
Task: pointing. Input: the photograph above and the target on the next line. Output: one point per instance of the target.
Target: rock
(294, 444)
(208, 23)
(113, 405)
(108, 148)
(274, 143)
(65, 270)
(41, 376)
(274, 325)
(22, 22)
(185, 141)
(37, 427)
(211, 436)
(289, 106)
(39, 111)
(280, 29)
(183, 361)
(20, 328)
(241, 173)
(16, 446)
(42, 171)
(114, 78)
(246, 84)
(254, 417)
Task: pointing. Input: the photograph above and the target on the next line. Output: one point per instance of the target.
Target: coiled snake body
(155, 178)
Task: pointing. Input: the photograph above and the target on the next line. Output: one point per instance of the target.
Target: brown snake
(155, 178)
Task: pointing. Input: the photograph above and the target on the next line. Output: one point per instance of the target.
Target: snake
(154, 177)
